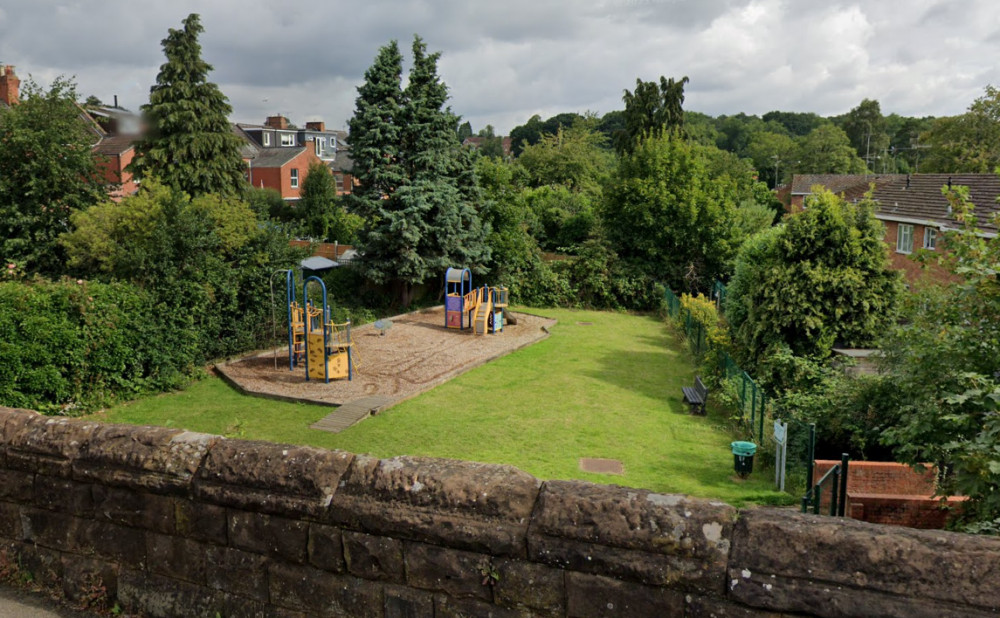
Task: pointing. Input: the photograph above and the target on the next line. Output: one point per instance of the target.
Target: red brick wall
(911, 511)
(914, 272)
(112, 170)
(890, 493)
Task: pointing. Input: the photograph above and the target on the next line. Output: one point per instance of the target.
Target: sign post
(780, 453)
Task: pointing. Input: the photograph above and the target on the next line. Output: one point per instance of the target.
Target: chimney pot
(9, 85)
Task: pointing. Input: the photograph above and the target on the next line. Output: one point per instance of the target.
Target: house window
(320, 145)
(930, 238)
(904, 238)
(267, 139)
(295, 178)
(339, 179)
(287, 139)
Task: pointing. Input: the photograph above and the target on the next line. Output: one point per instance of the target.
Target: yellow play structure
(325, 347)
(483, 309)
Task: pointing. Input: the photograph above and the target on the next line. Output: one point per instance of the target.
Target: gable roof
(277, 157)
(113, 145)
(912, 198)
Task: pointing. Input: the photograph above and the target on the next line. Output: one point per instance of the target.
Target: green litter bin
(743, 453)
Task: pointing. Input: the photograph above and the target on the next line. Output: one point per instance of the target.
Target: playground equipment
(483, 309)
(325, 347)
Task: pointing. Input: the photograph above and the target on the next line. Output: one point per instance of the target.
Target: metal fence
(751, 397)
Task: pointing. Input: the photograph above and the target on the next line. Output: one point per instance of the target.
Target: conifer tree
(416, 189)
(189, 143)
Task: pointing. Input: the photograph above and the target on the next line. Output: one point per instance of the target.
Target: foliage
(417, 190)
(966, 143)
(205, 261)
(664, 214)
(600, 280)
(189, 143)
(866, 128)
(828, 150)
(703, 311)
(652, 110)
(321, 211)
(944, 360)
(47, 173)
(72, 345)
(822, 277)
(574, 158)
(774, 155)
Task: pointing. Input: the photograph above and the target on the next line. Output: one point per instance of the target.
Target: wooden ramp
(351, 412)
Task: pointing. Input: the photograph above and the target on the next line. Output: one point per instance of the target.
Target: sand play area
(416, 354)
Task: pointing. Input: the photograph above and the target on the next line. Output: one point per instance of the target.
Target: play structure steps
(351, 412)
(484, 311)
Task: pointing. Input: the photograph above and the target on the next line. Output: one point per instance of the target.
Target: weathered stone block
(594, 596)
(523, 584)
(837, 552)
(134, 508)
(92, 583)
(697, 606)
(237, 572)
(175, 557)
(44, 444)
(448, 607)
(278, 537)
(324, 594)
(326, 548)
(10, 521)
(37, 564)
(55, 530)
(822, 598)
(155, 596)
(64, 495)
(201, 522)
(271, 478)
(457, 573)
(401, 602)
(155, 459)
(634, 534)
(16, 486)
(480, 507)
(118, 543)
(374, 557)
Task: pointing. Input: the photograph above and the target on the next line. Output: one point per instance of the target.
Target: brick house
(114, 153)
(281, 169)
(915, 213)
(328, 146)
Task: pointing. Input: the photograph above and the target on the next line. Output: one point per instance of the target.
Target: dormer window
(267, 139)
(287, 139)
(320, 145)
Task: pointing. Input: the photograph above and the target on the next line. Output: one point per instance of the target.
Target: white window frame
(907, 246)
(287, 139)
(930, 238)
(320, 145)
(266, 139)
(294, 177)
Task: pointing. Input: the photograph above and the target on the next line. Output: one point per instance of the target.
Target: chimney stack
(316, 126)
(9, 85)
(277, 122)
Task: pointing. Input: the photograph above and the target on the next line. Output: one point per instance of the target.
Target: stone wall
(166, 522)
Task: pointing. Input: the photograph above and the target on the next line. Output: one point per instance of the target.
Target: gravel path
(415, 355)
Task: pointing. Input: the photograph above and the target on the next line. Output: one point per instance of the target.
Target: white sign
(780, 430)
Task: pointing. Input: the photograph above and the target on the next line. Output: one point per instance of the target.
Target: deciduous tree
(47, 173)
(651, 110)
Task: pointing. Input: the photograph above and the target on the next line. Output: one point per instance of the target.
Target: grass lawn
(611, 389)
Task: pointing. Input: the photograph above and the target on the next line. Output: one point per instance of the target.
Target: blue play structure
(325, 347)
(483, 309)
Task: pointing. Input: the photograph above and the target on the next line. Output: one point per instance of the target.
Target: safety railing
(835, 482)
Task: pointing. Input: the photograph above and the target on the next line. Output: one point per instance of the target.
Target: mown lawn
(611, 389)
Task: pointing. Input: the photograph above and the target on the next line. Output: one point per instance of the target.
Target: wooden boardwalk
(352, 412)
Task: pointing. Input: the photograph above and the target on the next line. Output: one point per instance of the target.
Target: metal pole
(784, 458)
(812, 454)
(844, 461)
(834, 491)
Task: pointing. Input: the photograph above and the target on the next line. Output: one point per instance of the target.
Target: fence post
(835, 491)
(844, 461)
(812, 454)
(763, 409)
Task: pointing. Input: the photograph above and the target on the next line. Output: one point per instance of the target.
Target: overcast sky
(507, 60)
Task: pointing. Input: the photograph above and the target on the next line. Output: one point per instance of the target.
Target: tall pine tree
(417, 189)
(189, 143)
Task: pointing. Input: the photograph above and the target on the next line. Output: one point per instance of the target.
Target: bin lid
(743, 448)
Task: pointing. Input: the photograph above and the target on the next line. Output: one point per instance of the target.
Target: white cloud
(506, 61)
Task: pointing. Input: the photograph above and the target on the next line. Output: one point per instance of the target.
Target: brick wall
(891, 493)
(167, 522)
(914, 272)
